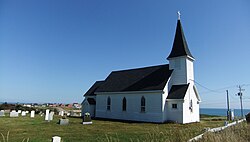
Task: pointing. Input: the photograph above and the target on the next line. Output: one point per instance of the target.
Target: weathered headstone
(47, 114)
(2, 113)
(61, 113)
(32, 114)
(51, 114)
(23, 113)
(56, 139)
(72, 113)
(27, 112)
(63, 121)
(87, 118)
(19, 111)
(13, 113)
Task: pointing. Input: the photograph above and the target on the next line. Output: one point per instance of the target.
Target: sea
(222, 112)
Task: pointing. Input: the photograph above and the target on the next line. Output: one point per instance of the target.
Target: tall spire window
(191, 106)
(124, 104)
(143, 104)
(108, 103)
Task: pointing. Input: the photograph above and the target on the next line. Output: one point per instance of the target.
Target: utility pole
(228, 112)
(240, 94)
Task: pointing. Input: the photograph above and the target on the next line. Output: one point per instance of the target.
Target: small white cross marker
(179, 15)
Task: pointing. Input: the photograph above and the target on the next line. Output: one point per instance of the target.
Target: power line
(216, 91)
(232, 97)
(203, 86)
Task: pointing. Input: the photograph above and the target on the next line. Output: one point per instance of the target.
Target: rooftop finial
(179, 15)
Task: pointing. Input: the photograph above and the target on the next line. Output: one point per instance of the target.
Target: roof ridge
(132, 69)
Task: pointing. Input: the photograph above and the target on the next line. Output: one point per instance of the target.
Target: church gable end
(93, 88)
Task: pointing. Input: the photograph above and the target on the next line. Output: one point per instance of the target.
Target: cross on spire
(179, 15)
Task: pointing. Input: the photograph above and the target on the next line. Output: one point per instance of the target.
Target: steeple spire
(180, 47)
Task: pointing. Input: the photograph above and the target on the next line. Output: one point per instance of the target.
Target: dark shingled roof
(91, 101)
(93, 88)
(141, 79)
(180, 47)
(178, 91)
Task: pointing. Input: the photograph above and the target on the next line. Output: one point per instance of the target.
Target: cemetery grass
(38, 130)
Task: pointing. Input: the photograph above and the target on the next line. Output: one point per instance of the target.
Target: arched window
(108, 103)
(124, 104)
(143, 104)
(191, 106)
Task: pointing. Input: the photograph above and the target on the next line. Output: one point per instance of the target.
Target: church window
(174, 106)
(108, 103)
(143, 104)
(124, 104)
(191, 106)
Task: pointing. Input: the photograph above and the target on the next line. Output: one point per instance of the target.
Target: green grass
(38, 130)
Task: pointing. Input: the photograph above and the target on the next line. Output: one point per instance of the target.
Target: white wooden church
(151, 94)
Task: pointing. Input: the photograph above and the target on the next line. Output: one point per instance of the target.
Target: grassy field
(238, 133)
(38, 130)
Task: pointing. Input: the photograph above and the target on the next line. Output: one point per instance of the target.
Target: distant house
(151, 94)
(77, 106)
(69, 105)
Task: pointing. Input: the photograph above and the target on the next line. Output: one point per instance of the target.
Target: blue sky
(53, 51)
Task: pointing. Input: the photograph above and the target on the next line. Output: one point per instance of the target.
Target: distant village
(73, 105)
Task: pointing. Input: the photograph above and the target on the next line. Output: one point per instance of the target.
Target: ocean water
(222, 112)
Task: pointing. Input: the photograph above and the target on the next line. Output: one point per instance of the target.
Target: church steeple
(180, 47)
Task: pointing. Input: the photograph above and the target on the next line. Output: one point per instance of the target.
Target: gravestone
(2, 113)
(61, 113)
(32, 114)
(19, 111)
(27, 112)
(87, 118)
(23, 113)
(51, 114)
(63, 121)
(72, 113)
(13, 113)
(47, 114)
(56, 139)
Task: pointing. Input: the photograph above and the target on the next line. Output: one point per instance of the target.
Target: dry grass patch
(237, 133)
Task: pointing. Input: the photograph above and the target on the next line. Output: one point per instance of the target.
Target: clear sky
(54, 50)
